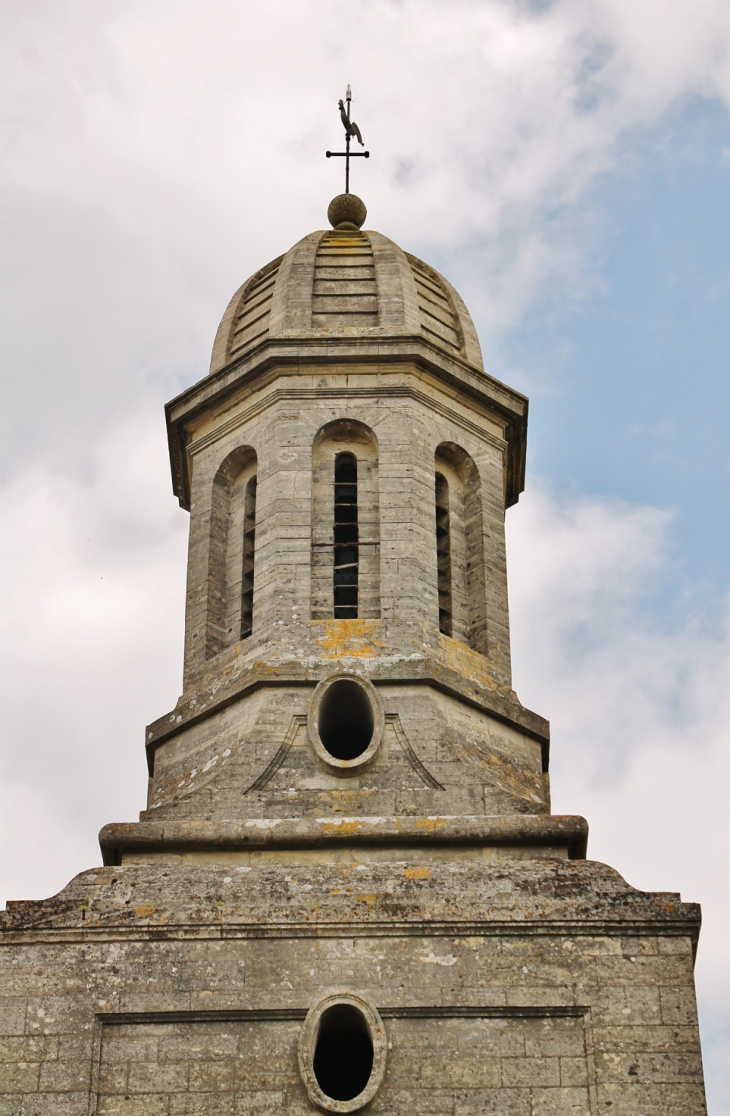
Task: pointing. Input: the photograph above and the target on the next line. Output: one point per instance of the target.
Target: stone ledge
(256, 833)
(545, 896)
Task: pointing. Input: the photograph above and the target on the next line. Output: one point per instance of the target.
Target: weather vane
(351, 129)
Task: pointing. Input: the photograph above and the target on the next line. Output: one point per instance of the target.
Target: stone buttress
(347, 889)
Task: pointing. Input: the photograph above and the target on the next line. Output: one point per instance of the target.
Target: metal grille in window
(249, 546)
(443, 555)
(346, 541)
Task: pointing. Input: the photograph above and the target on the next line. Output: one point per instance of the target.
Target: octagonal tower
(348, 408)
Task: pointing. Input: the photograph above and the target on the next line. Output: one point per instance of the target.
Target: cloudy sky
(567, 165)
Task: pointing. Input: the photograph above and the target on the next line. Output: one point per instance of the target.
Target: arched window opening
(345, 570)
(443, 555)
(460, 547)
(249, 545)
(346, 537)
(231, 552)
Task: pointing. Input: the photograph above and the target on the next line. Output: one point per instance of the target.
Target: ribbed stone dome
(346, 283)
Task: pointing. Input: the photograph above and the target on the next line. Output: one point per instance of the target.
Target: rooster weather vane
(351, 129)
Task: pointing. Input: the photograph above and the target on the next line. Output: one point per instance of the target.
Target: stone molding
(255, 833)
(278, 358)
(401, 899)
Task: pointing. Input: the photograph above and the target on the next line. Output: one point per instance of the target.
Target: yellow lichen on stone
(356, 638)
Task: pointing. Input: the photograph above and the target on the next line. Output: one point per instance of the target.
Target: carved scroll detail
(420, 769)
(259, 783)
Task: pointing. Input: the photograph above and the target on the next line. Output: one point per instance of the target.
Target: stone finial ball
(346, 209)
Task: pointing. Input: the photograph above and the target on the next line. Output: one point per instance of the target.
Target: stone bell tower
(347, 888)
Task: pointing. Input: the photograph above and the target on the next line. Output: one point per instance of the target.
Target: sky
(567, 165)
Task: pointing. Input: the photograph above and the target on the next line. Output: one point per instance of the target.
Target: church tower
(347, 889)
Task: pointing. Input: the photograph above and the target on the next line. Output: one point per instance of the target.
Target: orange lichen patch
(369, 899)
(430, 824)
(416, 873)
(460, 658)
(355, 638)
(144, 912)
(345, 826)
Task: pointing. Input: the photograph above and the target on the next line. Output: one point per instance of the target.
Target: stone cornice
(442, 897)
(688, 926)
(152, 836)
(384, 391)
(284, 356)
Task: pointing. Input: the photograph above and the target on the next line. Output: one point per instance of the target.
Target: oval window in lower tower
(342, 1050)
(345, 723)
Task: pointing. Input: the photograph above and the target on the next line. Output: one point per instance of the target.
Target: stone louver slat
(252, 320)
(432, 326)
(344, 291)
(438, 317)
(354, 274)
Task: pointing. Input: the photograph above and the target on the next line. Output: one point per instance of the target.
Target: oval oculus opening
(343, 1055)
(346, 722)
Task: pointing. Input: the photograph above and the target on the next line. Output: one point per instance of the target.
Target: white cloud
(639, 712)
(91, 614)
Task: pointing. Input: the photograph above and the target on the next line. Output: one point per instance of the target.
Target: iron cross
(351, 129)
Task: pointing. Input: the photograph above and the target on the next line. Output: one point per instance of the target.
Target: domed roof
(346, 283)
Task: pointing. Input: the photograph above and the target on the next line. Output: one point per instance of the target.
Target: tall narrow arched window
(345, 567)
(231, 552)
(249, 544)
(460, 547)
(346, 538)
(443, 554)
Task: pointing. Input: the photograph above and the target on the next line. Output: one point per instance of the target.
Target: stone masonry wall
(523, 1025)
